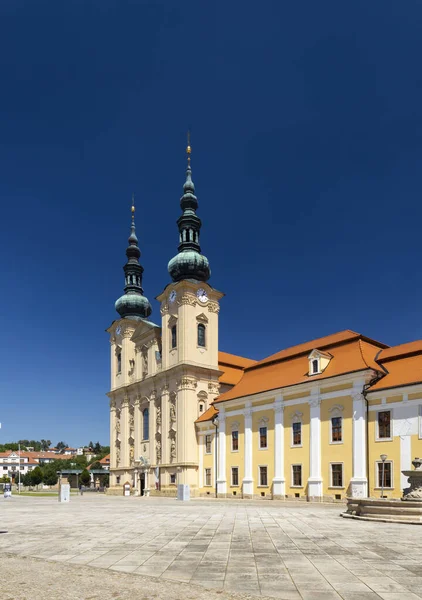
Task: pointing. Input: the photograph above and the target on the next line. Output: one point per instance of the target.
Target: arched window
(119, 362)
(145, 415)
(315, 365)
(174, 336)
(201, 335)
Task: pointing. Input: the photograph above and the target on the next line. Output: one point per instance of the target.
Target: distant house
(105, 462)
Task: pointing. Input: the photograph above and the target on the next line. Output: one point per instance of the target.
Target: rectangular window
(297, 475)
(174, 336)
(119, 363)
(387, 474)
(208, 439)
(337, 475)
(117, 479)
(235, 441)
(384, 424)
(336, 429)
(235, 476)
(208, 477)
(263, 437)
(263, 479)
(172, 477)
(297, 434)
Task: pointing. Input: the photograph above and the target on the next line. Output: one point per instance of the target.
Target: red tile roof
(403, 366)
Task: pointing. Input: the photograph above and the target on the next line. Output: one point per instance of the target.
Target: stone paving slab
(287, 550)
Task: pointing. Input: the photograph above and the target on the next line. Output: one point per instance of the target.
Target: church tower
(189, 309)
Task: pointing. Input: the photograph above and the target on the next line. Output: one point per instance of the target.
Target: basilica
(333, 417)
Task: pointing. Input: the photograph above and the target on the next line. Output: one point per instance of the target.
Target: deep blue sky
(306, 122)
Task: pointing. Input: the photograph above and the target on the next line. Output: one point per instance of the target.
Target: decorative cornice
(112, 404)
(164, 309)
(336, 408)
(213, 307)
(128, 332)
(314, 401)
(202, 395)
(278, 407)
(187, 299)
(296, 416)
(187, 383)
(213, 387)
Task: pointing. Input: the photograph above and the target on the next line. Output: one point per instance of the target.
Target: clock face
(172, 296)
(202, 295)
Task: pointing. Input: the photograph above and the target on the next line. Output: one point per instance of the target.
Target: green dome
(133, 306)
(189, 264)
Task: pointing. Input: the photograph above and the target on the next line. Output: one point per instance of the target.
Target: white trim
(315, 477)
(205, 477)
(205, 444)
(201, 462)
(420, 422)
(231, 476)
(332, 486)
(231, 440)
(379, 487)
(336, 443)
(405, 459)
(292, 485)
(376, 407)
(261, 485)
(377, 437)
(259, 436)
(248, 451)
(221, 478)
(278, 479)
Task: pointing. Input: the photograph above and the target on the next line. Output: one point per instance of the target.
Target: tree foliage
(36, 476)
(85, 477)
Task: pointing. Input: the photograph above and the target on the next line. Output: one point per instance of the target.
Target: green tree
(45, 444)
(91, 445)
(96, 465)
(97, 448)
(85, 477)
(50, 476)
(36, 476)
(61, 446)
(26, 479)
(5, 479)
(104, 480)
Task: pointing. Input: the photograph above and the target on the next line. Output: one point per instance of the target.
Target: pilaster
(124, 425)
(315, 477)
(200, 460)
(221, 479)
(359, 481)
(165, 424)
(279, 479)
(248, 478)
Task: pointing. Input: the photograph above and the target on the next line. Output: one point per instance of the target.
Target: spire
(189, 263)
(133, 304)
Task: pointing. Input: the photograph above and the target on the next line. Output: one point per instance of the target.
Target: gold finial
(188, 148)
(133, 206)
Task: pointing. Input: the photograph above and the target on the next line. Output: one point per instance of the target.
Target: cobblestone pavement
(286, 550)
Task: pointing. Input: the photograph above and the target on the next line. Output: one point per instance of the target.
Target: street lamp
(215, 423)
(383, 457)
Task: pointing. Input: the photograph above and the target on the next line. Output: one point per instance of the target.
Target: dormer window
(318, 362)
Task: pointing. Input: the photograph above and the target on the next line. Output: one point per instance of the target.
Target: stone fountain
(414, 492)
(406, 510)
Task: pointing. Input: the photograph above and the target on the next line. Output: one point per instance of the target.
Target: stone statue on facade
(172, 413)
(173, 449)
(131, 454)
(144, 364)
(117, 457)
(158, 450)
(117, 426)
(158, 418)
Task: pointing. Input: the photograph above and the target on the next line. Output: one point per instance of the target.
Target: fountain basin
(387, 511)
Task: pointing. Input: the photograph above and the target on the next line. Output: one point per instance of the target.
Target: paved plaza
(272, 549)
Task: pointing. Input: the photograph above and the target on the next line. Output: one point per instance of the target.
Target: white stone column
(201, 460)
(113, 363)
(165, 425)
(279, 480)
(221, 479)
(315, 478)
(248, 477)
(359, 481)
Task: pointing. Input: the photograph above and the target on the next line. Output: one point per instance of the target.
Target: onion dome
(133, 304)
(189, 263)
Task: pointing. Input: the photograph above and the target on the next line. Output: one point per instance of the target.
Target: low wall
(394, 511)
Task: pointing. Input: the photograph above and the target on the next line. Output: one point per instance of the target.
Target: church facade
(334, 417)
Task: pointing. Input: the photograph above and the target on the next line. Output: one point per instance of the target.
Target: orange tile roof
(351, 352)
(105, 460)
(232, 367)
(403, 365)
(208, 415)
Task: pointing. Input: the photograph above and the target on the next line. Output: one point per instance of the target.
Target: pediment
(202, 318)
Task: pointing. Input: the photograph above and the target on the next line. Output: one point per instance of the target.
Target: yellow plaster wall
(392, 449)
(341, 453)
(208, 463)
(263, 457)
(235, 459)
(416, 446)
(296, 455)
(336, 388)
